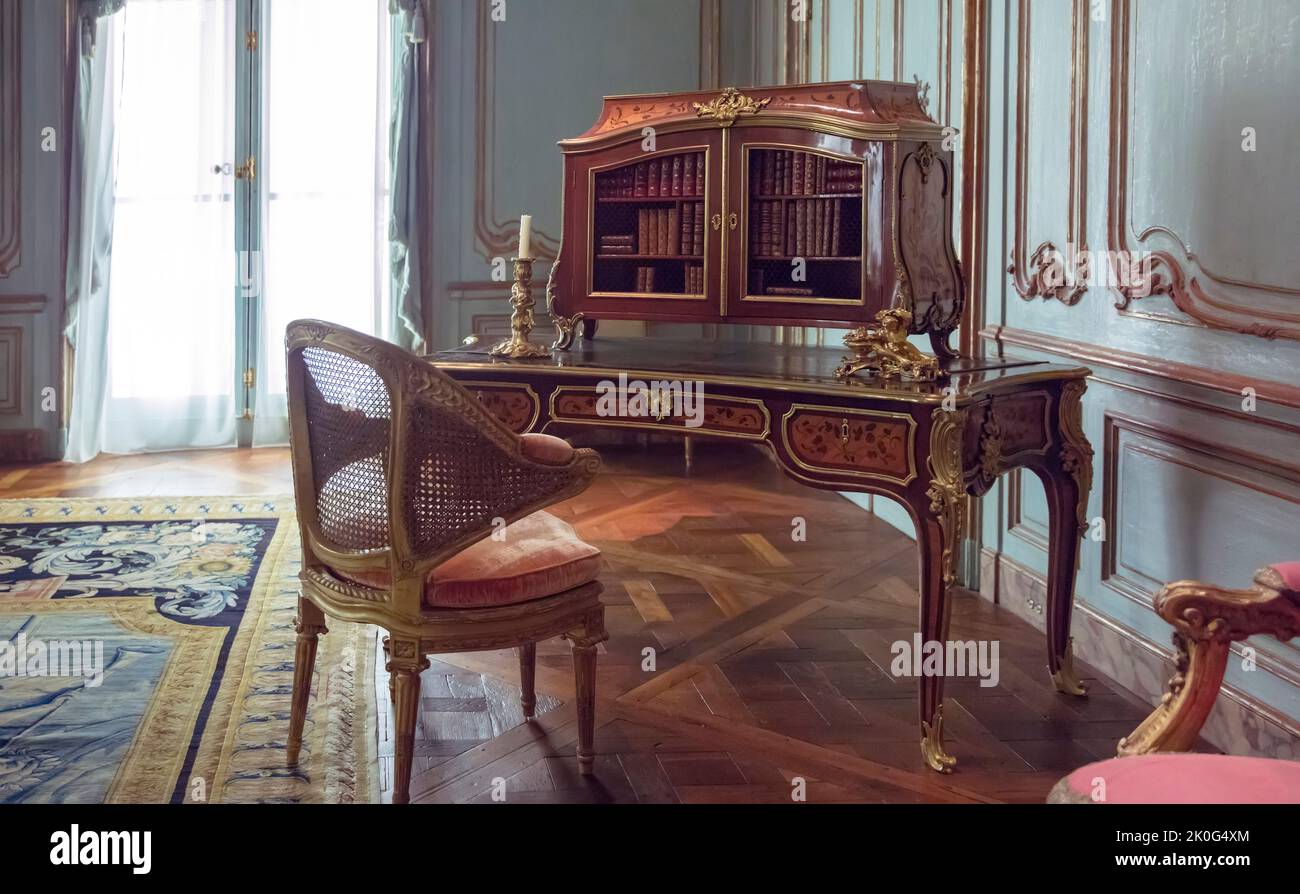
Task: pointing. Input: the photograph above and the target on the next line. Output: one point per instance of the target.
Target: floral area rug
(146, 655)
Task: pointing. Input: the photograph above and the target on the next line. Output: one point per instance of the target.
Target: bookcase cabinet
(817, 204)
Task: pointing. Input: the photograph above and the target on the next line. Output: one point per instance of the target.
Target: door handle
(717, 222)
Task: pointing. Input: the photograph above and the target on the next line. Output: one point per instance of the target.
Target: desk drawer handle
(717, 221)
(844, 432)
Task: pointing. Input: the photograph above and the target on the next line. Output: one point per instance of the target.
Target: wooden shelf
(645, 200)
(820, 195)
(623, 257)
(788, 258)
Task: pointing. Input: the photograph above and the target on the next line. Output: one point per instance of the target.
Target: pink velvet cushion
(546, 449)
(539, 555)
(1290, 574)
(1186, 779)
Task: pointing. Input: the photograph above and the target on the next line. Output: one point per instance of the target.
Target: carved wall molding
(1040, 273)
(10, 144)
(1212, 299)
(1278, 393)
(23, 304)
(11, 371)
(493, 237)
(1173, 445)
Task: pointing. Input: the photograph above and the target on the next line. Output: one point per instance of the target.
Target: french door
(251, 190)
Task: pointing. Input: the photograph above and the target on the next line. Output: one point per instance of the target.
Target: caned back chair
(418, 512)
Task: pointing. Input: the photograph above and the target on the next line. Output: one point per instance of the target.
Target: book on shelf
(677, 175)
(798, 176)
(643, 230)
(645, 279)
(687, 229)
(665, 178)
(661, 232)
(803, 291)
(641, 181)
(672, 242)
(801, 242)
(698, 248)
(835, 227)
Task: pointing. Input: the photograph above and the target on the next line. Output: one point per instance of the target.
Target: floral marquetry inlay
(515, 407)
(851, 443)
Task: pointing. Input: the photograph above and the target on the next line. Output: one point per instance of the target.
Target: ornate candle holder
(517, 346)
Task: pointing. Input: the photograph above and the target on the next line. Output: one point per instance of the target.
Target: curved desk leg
(939, 530)
(1062, 568)
(936, 610)
(1067, 478)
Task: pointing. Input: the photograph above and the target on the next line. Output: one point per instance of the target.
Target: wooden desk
(929, 446)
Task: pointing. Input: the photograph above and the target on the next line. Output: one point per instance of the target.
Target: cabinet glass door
(803, 226)
(655, 224)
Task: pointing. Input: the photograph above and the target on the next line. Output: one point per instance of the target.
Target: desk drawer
(733, 417)
(515, 405)
(856, 443)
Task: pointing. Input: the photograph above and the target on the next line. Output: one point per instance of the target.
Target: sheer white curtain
(325, 154)
(172, 290)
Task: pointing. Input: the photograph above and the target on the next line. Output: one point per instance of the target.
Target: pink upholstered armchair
(1206, 621)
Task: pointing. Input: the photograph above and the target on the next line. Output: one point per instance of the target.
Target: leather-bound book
(686, 232)
(688, 175)
(835, 227)
(641, 179)
(801, 228)
(791, 229)
(652, 179)
(699, 229)
(662, 215)
(665, 177)
(674, 232)
(677, 176)
(798, 174)
(643, 231)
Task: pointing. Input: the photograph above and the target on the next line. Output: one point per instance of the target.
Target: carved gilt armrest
(1206, 621)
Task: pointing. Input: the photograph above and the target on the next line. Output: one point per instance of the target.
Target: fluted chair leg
(405, 662)
(310, 624)
(585, 640)
(527, 679)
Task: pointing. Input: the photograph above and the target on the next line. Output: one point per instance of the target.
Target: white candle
(525, 235)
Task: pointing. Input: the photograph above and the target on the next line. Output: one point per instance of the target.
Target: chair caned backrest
(390, 452)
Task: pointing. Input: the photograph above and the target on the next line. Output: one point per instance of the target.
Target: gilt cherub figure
(885, 350)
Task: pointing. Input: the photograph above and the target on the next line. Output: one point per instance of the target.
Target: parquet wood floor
(771, 656)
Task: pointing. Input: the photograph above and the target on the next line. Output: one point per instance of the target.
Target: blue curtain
(403, 223)
(90, 223)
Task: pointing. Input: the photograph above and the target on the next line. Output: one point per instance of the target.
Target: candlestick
(517, 346)
(526, 236)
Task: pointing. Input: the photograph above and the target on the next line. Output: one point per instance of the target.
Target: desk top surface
(805, 368)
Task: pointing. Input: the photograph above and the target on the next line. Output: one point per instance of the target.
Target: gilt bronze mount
(885, 350)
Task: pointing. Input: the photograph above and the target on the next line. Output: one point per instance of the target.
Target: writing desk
(928, 445)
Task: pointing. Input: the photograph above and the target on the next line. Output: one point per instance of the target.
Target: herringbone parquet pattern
(740, 662)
